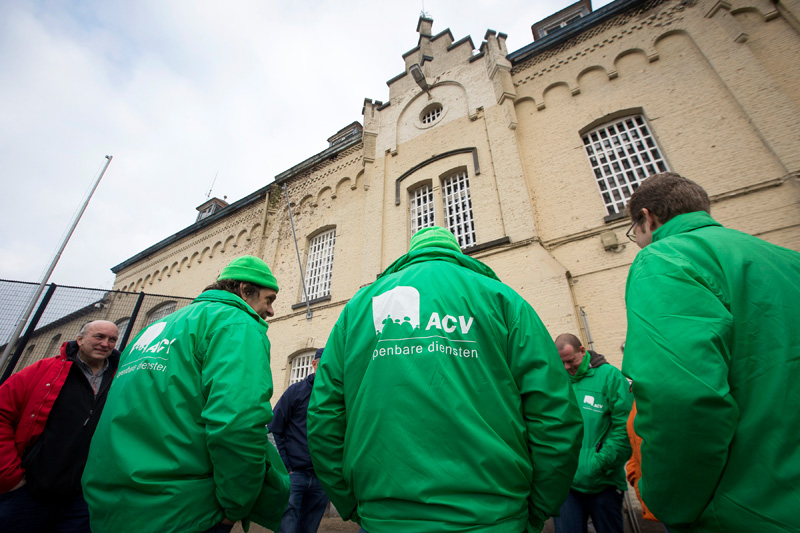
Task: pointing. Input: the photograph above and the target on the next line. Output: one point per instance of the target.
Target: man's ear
(652, 220)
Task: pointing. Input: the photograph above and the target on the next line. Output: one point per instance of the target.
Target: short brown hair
(239, 288)
(668, 195)
(568, 338)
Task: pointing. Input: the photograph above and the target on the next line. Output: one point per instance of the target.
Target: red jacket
(26, 399)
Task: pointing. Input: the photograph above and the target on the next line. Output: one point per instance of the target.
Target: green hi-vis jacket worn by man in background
(182, 444)
(604, 396)
(713, 349)
(441, 403)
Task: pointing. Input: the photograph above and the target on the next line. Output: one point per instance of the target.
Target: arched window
(27, 357)
(122, 326)
(54, 347)
(301, 366)
(458, 208)
(160, 312)
(319, 265)
(422, 208)
(622, 153)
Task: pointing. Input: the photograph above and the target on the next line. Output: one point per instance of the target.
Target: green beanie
(434, 236)
(252, 269)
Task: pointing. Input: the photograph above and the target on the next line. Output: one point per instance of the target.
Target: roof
(329, 153)
(594, 18)
(190, 230)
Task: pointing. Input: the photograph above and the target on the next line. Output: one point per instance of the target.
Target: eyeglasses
(630, 234)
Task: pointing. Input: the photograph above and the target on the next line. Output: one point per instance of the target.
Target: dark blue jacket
(289, 425)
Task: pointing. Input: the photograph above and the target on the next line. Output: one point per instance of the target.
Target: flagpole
(24, 319)
(300, 263)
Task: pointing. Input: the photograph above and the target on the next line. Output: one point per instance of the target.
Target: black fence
(61, 311)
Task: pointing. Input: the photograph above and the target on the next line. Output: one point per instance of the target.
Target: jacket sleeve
(281, 414)
(12, 398)
(551, 414)
(616, 448)
(327, 422)
(677, 353)
(237, 380)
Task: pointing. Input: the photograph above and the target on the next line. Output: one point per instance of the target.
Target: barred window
(421, 208)
(27, 357)
(622, 154)
(55, 346)
(458, 208)
(160, 312)
(301, 366)
(122, 326)
(319, 266)
(431, 113)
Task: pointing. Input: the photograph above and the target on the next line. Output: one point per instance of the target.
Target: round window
(430, 114)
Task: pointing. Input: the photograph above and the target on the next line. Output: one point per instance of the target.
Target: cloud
(179, 92)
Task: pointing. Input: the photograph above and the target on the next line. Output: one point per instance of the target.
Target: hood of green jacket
(583, 370)
(229, 298)
(684, 223)
(433, 253)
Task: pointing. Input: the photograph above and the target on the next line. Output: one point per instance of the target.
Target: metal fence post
(131, 322)
(12, 362)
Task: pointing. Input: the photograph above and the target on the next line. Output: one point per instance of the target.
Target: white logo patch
(590, 400)
(149, 336)
(399, 305)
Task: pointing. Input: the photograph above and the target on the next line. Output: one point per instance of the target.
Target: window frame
(444, 213)
(418, 211)
(157, 313)
(318, 274)
(454, 208)
(605, 149)
(299, 373)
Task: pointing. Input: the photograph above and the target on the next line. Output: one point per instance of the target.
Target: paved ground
(328, 525)
(334, 524)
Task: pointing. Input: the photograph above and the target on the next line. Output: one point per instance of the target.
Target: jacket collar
(583, 370)
(229, 298)
(683, 224)
(422, 255)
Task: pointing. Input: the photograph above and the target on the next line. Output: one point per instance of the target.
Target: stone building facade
(529, 157)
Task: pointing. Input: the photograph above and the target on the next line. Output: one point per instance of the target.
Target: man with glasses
(712, 349)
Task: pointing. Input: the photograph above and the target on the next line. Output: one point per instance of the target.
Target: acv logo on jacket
(396, 317)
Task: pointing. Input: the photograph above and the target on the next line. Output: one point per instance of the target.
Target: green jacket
(712, 348)
(182, 442)
(440, 404)
(605, 400)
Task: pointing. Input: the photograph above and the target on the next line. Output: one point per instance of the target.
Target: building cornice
(578, 27)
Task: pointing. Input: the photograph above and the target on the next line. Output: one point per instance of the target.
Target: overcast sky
(181, 91)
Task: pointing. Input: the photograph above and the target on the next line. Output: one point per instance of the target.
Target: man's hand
(227, 522)
(18, 485)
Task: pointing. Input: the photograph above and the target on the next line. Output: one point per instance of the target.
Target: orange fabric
(633, 469)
